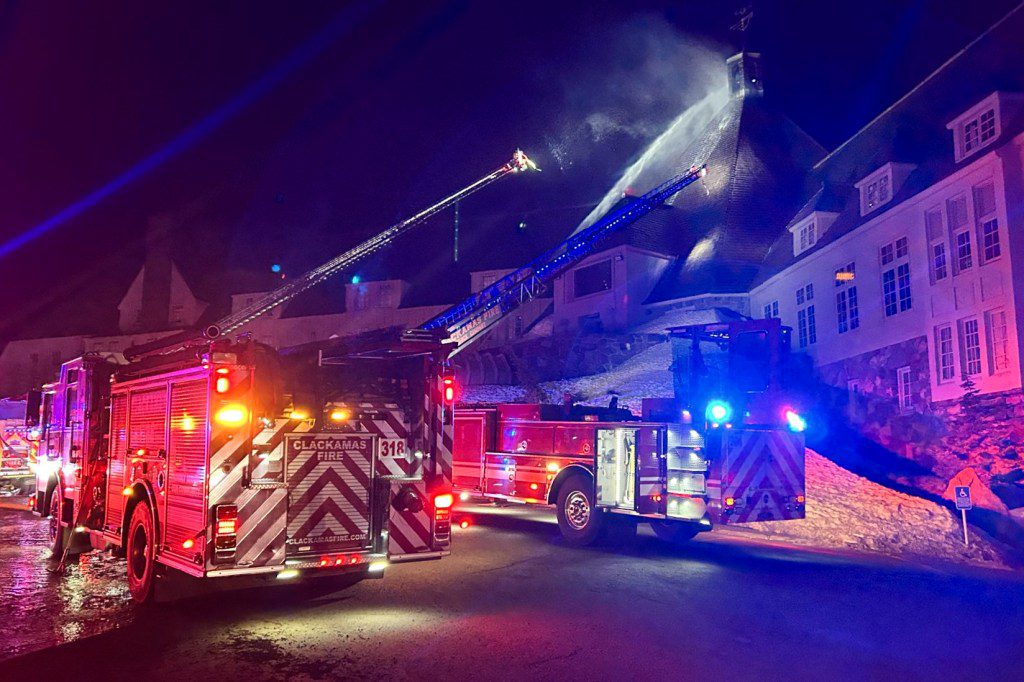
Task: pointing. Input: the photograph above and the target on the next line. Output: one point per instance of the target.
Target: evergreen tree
(970, 397)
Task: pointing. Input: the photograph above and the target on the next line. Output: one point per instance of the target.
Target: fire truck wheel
(676, 532)
(578, 519)
(57, 534)
(141, 561)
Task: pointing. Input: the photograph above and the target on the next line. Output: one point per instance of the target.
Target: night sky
(285, 132)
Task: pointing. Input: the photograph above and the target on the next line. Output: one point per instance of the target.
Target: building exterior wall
(634, 272)
(976, 293)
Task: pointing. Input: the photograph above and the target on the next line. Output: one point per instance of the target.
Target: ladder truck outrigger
(727, 449)
(220, 457)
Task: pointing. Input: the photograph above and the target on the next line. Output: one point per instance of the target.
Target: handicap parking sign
(962, 494)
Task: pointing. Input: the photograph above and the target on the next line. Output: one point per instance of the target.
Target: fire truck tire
(579, 520)
(140, 554)
(675, 532)
(57, 534)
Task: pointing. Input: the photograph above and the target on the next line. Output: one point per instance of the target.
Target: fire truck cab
(727, 449)
(228, 460)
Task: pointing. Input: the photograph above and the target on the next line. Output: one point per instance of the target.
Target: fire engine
(220, 457)
(727, 449)
(17, 448)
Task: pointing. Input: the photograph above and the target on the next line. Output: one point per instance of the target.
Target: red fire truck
(728, 449)
(220, 458)
(224, 461)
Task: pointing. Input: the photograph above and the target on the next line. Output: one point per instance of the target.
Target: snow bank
(845, 511)
(645, 375)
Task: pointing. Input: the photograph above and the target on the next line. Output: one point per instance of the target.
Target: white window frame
(966, 356)
(937, 271)
(972, 119)
(997, 339)
(942, 355)
(904, 393)
(876, 190)
(805, 235)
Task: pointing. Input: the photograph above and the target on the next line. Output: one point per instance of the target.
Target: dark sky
(286, 131)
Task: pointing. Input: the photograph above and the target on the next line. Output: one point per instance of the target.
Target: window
(970, 347)
(805, 235)
(903, 285)
(901, 247)
(990, 239)
(889, 292)
(939, 261)
(938, 269)
(944, 361)
(875, 190)
(847, 313)
(959, 232)
(771, 310)
(896, 296)
(806, 331)
(886, 253)
(963, 251)
(977, 128)
(903, 388)
(593, 279)
(988, 225)
(998, 342)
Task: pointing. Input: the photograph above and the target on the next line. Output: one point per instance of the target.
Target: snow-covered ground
(645, 375)
(845, 511)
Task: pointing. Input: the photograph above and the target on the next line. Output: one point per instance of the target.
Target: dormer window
(976, 128)
(805, 235)
(875, 189)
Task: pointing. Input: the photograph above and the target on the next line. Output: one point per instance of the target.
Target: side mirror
(34, 402)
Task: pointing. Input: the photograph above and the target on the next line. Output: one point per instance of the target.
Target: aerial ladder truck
(220, 458)
(727, 449)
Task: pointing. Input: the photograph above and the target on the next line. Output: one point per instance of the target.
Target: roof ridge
(925, 80)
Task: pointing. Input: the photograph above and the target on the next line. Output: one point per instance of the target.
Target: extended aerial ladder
(236, 320)
(470, 319)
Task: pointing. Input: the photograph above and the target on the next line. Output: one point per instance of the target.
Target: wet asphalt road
(514, 603)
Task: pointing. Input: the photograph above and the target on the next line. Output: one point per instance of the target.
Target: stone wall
(985, 432)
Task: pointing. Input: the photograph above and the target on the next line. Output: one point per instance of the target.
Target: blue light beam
(341, 25)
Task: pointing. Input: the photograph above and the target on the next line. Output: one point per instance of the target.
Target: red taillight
(222, 385)
(225, 527)
(448, 383)
(444, 501)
